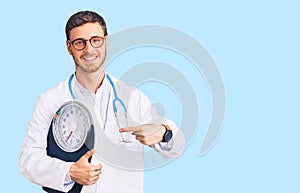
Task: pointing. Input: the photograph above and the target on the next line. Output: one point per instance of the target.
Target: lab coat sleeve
(148, 114)
(34, 162)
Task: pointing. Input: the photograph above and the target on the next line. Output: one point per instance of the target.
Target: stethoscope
(128, 138)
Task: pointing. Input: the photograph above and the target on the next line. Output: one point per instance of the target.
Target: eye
(78, 43)
(96, 40)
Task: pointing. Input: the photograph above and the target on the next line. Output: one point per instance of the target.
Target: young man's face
(89, 59)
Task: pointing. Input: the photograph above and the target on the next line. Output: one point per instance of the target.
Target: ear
(106, 41)
(69, 47)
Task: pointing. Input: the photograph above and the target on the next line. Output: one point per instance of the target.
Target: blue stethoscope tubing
(116, 99)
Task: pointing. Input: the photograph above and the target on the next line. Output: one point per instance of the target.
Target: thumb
(88, 154)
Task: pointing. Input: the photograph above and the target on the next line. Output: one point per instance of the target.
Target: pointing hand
(147, 134)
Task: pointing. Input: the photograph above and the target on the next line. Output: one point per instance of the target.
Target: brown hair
(83, 17)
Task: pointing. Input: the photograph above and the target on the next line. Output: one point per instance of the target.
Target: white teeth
(89, 58)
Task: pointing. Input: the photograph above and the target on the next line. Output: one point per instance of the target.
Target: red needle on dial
(69, 136)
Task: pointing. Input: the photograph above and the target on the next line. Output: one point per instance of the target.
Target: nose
(88, 46)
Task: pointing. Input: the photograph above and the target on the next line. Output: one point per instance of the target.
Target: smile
(90, 59)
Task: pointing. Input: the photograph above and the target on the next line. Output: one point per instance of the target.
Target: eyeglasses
(80, 43)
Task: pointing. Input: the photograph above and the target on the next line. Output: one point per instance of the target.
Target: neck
(90, 81)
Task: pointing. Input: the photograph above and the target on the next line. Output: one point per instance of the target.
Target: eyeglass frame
(85, 40)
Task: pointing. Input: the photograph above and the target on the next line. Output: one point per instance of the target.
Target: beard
(89, 68)
(93, 66)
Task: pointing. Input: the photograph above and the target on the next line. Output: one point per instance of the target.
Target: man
(87, 43)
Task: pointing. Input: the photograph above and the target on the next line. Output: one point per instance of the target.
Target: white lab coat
(52, 172)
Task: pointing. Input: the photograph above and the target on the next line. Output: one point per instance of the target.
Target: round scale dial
(71, 124)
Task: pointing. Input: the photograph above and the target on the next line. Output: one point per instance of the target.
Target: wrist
(72, 170)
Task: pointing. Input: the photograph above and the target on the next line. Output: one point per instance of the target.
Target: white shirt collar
(81, 92)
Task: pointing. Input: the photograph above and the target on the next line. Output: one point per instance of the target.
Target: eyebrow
(88, 39)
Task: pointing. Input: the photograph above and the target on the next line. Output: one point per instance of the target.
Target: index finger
(96, 167)
(130, 129)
